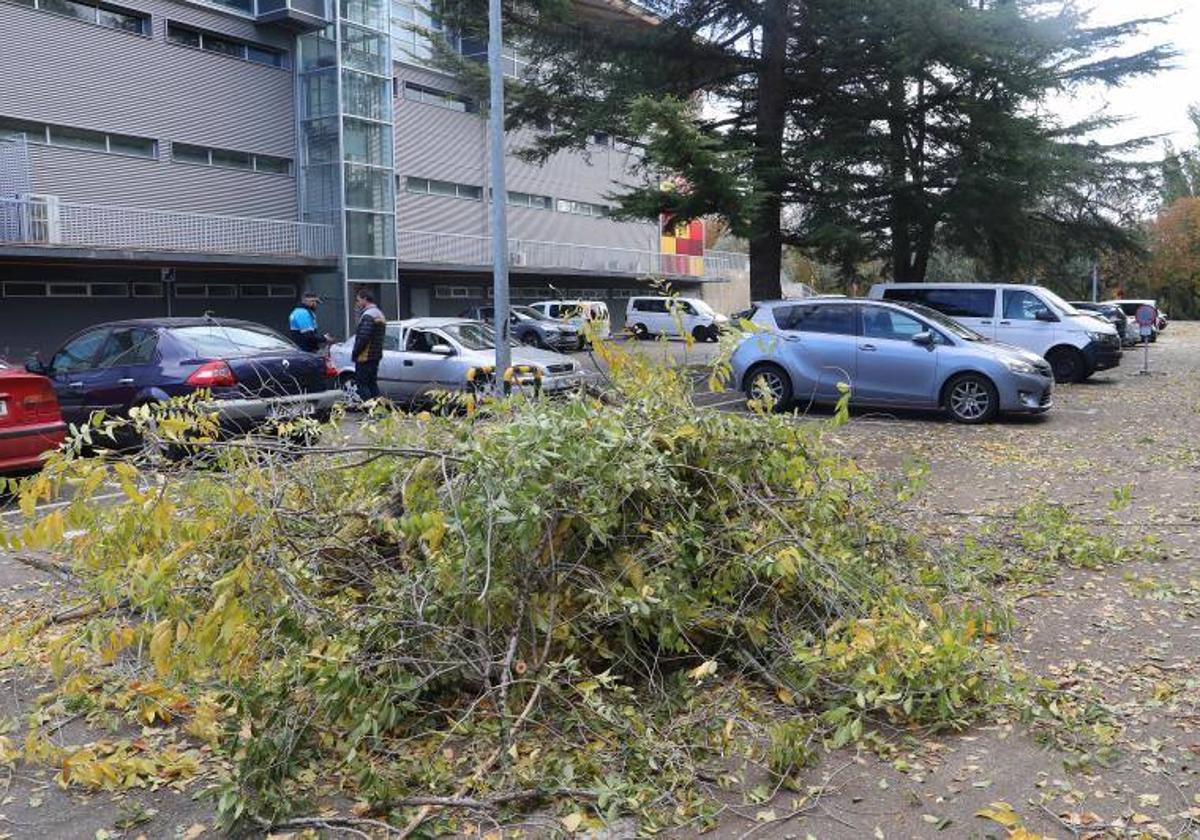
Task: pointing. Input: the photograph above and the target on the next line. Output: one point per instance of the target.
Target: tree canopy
(859, 128)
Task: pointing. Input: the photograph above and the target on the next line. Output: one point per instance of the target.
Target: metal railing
(50, 221)
(414, 246)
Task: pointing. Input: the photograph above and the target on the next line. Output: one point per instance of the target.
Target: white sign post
(1146, 317)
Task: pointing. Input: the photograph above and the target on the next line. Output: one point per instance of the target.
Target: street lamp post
(499, 193)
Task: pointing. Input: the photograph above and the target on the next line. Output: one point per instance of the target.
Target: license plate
(289, 411)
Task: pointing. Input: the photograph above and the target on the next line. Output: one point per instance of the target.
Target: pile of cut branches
(570, 608)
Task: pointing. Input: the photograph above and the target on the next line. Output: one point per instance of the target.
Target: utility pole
(499, 193)
(1095, 282)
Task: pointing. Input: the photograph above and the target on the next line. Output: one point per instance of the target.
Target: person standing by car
(302, 324)
(368, 345)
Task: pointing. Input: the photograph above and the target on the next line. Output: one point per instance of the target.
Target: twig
(480, 771)
(43, 565)
(76, 613)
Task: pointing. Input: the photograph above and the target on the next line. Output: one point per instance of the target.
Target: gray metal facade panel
(99, 178)
(433, 142)
(70, 72)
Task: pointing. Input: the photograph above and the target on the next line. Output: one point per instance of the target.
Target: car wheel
(701, 334)
(714, 334)
(769, 382)
(1068, 364)
(640, 332)
(972, 399)
(349, 389)
(532, 339)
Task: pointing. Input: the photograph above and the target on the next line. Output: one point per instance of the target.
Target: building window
(414, 28)
(455, 292)
(228, 159)
(147, 290)
(205, 290)
(439, 98)
(428, 186)
(24, 290)
(79, 138)
(101, 14)
(583, 208)
(537, 202)
(265, 290)
(202, 39)
(66, 290)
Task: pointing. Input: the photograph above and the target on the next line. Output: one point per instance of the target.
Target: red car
(30, 422)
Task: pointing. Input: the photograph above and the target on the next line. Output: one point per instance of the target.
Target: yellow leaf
(1023, 833)
(1000, 812)
(195, 831)
(572, 822)
(160, 646)
(704, 669)
(785, 696)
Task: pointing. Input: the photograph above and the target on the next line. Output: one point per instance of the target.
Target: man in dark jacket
(368, 345)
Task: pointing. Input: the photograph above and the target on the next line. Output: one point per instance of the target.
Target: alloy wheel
(970, 400)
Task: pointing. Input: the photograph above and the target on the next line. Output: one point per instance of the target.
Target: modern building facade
(188, 156)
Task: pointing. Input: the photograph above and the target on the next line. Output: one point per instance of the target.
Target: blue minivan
(890, 355)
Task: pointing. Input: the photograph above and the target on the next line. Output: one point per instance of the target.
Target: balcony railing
(466, 250)
(50, 221)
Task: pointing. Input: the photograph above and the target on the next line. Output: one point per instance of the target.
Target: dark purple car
(253, 373)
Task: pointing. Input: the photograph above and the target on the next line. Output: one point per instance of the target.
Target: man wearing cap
(303, 324)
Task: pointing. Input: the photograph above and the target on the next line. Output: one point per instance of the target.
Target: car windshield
(474, 335)
(941, 321)
(528, 313)
(1058, 303)
(702, 308)
(224, 340)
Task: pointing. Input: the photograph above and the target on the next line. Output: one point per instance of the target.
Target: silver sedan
(424, 356)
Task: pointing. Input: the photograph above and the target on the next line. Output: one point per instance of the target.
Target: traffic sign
(1146, 315)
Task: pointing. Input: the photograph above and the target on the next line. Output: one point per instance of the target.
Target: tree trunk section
(766, 240)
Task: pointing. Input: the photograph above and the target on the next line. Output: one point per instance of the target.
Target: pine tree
(857, 128)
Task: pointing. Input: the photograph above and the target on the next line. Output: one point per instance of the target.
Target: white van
(1031, 317)
(579, 313)
(646, 317)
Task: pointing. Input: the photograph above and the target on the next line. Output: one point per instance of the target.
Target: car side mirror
(36, 365)
(925, 339)
(442, 350)
(1047, 316)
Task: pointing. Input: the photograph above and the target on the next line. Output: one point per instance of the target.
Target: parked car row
(972, 349)
(426, 355)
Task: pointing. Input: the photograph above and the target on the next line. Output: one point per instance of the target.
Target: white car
(1030, 317)
(588, 316)
(422, 356)
(646, 317)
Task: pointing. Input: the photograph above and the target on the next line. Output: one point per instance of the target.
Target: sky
(1157, 104)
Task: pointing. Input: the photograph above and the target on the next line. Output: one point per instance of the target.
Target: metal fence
(467, 250)
(46, 220)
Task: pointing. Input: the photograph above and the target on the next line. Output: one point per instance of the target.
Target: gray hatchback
(890, 355)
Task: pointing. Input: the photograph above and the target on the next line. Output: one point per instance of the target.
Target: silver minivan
(890, 355)
(1031, 317)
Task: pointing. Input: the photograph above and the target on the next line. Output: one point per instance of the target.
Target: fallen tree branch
(44, 565)
(464, 802)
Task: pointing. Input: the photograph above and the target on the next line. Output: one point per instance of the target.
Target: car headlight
(1019, 366)
(1097, 336)
(553, 329)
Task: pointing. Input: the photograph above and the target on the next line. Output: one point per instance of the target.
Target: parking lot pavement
(1129, 633)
